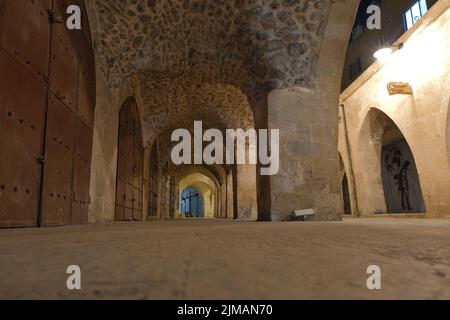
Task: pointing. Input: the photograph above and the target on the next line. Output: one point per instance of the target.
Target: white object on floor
(304, 213)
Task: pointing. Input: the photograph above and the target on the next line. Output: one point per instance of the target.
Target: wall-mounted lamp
(383, 55)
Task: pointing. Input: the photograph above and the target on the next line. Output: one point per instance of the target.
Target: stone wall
(104, 153)
(424, 63)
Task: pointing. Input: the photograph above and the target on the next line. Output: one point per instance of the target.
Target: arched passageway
(47, 108)
(390, 171)
(232, 56)
(202, 197)
(192, 203)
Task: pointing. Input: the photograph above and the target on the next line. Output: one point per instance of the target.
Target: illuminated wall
(422, 118)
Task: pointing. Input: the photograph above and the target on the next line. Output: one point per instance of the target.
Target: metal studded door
(23, 26)
(72, 87)
(81, 173)
(47, 107)
(129, 164)
(25, 33)
(84, 126)
(58, 163)
(21, 126)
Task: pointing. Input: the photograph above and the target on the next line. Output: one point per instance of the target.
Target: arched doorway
(192, 203)
(129, 164)
(198, 197)
(47, 103)
(388, 168)
(401, 184)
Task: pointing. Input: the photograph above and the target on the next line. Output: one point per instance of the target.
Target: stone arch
(208, 192)
(255, 43)
(251, 47)
(203, 179)
(173, 104)
(387, 168)
(193, 204)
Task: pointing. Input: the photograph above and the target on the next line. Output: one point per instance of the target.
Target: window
(415, 13)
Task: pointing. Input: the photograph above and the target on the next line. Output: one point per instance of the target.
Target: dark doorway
(47, 108)
(346, 196)
(401, 183)
(129, 164)
(192, 205)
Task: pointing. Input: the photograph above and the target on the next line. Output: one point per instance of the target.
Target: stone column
(247, 195)
(307, 116)
(309, 167)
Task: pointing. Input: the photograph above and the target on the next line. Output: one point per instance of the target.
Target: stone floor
(223, 260)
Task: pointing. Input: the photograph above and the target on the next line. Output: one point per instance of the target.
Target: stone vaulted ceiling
(198, 58)
(272, 42)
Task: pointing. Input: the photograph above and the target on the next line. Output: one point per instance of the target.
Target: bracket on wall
(399, 88)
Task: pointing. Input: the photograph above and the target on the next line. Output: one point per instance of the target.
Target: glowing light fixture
(383, 55)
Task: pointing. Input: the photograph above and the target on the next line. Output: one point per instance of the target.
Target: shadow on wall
(345, 187)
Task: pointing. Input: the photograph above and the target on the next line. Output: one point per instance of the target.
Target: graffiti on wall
(400, 179)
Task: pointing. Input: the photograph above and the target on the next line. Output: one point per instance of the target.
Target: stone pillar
(247, 200)
(246, 194)
(309, 167)
(308, 122)
(104, 155)
(260, 110)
